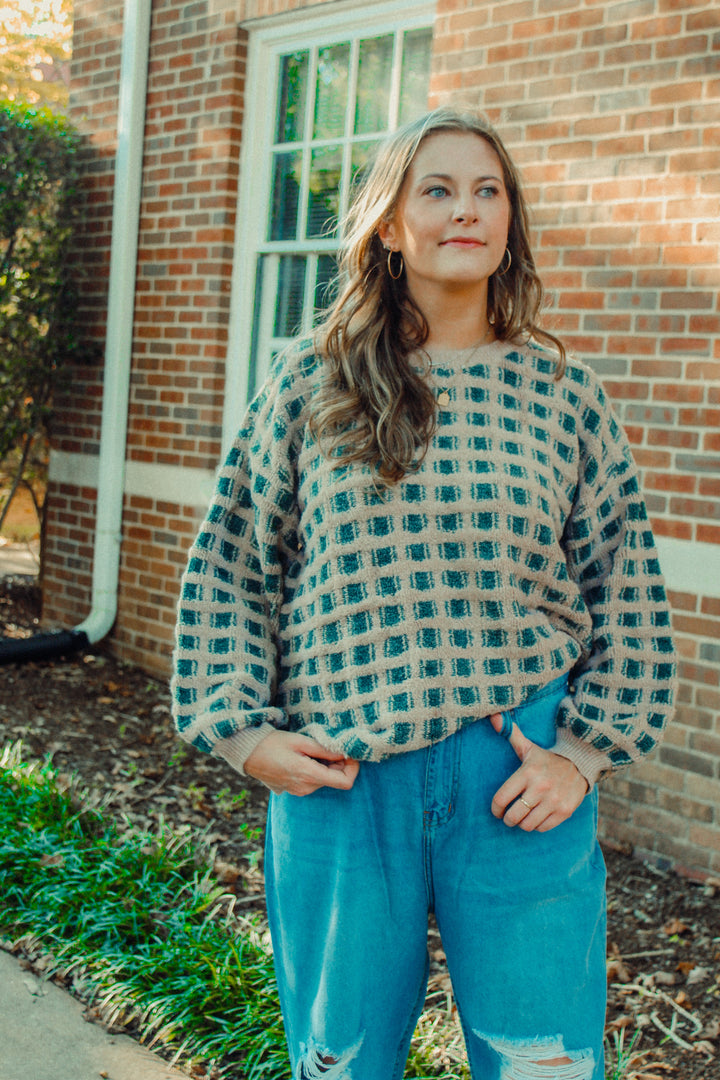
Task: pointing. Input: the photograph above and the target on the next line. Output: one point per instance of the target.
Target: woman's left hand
(546, 789)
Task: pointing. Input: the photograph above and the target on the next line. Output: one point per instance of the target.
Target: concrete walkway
(43, 1036)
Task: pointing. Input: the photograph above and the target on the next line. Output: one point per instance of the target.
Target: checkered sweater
(382, 621)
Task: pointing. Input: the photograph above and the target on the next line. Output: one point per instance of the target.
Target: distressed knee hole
(317, 1063)
(539, 1059)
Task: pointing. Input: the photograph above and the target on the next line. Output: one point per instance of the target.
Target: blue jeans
(351, 877)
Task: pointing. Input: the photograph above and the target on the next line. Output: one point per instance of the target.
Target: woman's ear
(386, 232)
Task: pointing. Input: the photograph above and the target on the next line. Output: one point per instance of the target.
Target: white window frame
(268, 40)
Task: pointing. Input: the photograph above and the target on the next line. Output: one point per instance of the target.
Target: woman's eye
(436, 191)
(489, 191)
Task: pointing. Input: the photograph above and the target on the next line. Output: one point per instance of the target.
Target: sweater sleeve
(622, 692)
(225, 663)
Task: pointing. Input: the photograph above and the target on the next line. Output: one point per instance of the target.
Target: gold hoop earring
(502, 273)
(389, 265)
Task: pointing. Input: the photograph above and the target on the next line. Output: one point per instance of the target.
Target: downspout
(118, 352)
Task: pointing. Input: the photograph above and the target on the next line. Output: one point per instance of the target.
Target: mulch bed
(109, 724)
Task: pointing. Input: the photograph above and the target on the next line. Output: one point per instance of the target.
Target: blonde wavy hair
(372, 406)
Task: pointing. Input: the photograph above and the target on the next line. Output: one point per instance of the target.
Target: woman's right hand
(286, 761)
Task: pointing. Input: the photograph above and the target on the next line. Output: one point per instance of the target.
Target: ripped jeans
(351, 877)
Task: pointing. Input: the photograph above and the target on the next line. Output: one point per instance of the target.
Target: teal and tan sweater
(382, 621)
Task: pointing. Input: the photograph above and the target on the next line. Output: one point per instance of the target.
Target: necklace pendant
(443, 398)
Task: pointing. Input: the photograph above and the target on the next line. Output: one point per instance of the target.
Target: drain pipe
(118, 353)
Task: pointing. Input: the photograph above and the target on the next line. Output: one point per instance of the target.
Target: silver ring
(526, 803)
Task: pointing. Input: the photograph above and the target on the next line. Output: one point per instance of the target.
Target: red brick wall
(157, 536)
(612, 111)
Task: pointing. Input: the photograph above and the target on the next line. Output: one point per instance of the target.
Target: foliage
(140, 914)
(38, 183)
(35, 46)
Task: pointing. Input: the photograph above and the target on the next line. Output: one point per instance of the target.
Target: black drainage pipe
(42, 646)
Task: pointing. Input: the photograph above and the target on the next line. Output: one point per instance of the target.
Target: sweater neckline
(461, 359)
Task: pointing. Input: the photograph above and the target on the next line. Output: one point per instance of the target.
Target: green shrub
(38, 300)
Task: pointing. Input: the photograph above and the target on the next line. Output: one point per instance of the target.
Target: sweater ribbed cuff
(238, 747)
(589, 762)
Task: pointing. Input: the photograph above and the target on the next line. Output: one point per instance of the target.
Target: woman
(429, 535)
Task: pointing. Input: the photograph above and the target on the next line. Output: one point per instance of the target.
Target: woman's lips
(462, 241)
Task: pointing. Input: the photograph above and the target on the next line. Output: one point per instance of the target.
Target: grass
(141, 917)
(629, 1063)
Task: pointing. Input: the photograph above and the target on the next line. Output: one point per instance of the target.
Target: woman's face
(452, 217)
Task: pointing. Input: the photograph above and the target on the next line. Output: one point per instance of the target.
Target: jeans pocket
(537, 716)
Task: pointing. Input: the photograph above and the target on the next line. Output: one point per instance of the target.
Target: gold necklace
(443, 396)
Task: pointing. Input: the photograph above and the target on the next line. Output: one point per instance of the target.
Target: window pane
(285, 196)
(373, 84)
(323, 197)
(325, 283)
(415, 75)
(331, 91)
(292, 95)
(363, 154)
(291, 289)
